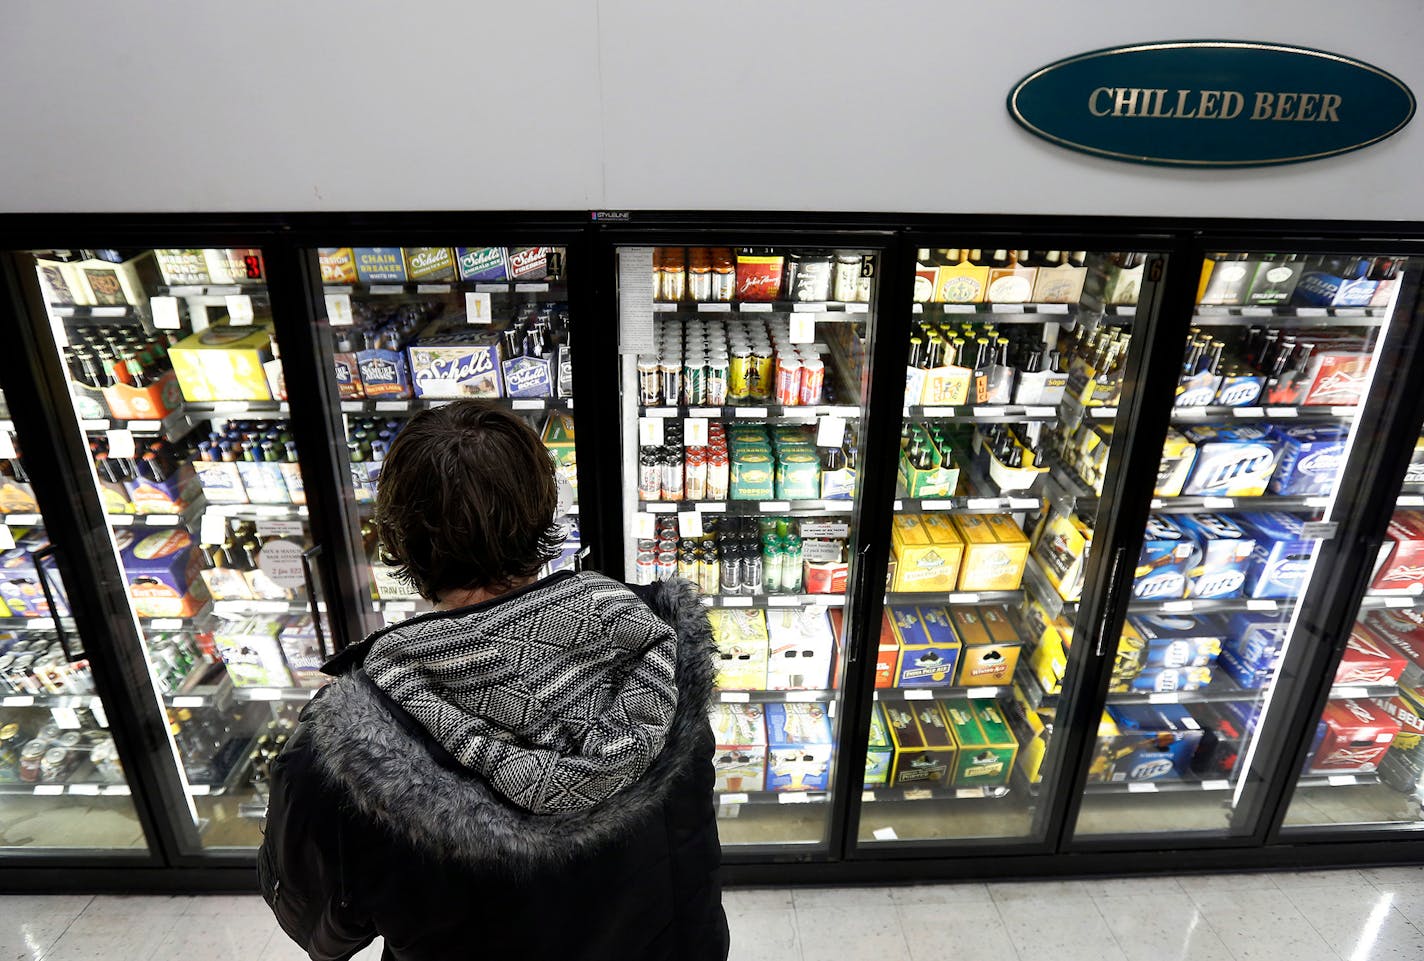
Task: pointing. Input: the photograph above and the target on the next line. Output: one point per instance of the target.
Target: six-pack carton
(925, 750)
(928, 649)
(740, 756)
(991, 645)
(799, 747)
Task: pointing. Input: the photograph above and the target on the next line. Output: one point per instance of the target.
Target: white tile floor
(1348, 915)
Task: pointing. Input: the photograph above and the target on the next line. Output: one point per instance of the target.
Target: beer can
(30, 756)
(54, 765)
(812, 382)
(650, 477)
(105, 758)
(718, 373)
(847, 277)
(771, 558)
(670, 372)
(695, 475)
(666, 565)
(694, 382)
(740, 373)
(752, 582)
(731, 574)
(649, 381)
(645, 567)
(687, 564)
(709, 570)
(646, 544)
(788, 380)
(762, 380)
(672, 489)
(10, 745)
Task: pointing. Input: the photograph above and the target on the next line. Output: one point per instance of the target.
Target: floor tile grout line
(1107, 925)
(1004, 923)
(77, 915)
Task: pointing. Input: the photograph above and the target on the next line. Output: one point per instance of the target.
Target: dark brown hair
(467, 499)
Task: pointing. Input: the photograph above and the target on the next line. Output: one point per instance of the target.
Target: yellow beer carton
(995, 550)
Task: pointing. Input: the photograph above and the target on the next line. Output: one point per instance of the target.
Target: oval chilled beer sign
(1211, 103)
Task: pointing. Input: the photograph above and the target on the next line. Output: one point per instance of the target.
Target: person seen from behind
(526, 770)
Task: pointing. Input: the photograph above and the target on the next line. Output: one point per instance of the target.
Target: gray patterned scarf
(559, 695)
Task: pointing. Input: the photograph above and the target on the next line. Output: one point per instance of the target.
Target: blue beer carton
(1249, 676)
(1221, 554)
(929, 649)
(1146, 742)
(1255, 639)
(380, 265)
(457, 363)
(799, 747)
(482, 263)
(1281, 556)
(1180, 640)
(1162, 566)
(1230, 461)
(1310, 458)
(1326, 287)
(527, 376)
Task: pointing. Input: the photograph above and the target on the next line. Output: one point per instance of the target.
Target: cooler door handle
(857, 586)
(308, 556)
(1112, 594)
(581, 558)
(40, 557)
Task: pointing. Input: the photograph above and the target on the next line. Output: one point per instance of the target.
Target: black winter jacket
(375, 830)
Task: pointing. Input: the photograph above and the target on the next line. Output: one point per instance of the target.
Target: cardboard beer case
(987, 746)
(925, 750)
(1402, 570)
(739, 761)
(879, 753)
(1357, 735)
(928, 649)
(991, 645)
(1369, 659)
(799, 747)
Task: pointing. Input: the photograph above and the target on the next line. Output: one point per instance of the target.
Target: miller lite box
(456, 363)
(1310, 458)
(1145, 742)
(1239, 390)
(1357, 734)
(1221, 554)
(1230, 461)
(1177, 640)
(799, 747)
(1178, 455)
(1369, 659)
(1282, 553)
(1163, 563)
(1251, 677)
(1402, 569)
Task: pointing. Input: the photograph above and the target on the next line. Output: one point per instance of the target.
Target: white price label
(1279, 412)
(714, 307)
(694, 431)
(1156, 503)
(532, 288)
(1338, 692)
(199, 790)
(268, 528)
(980, 503)
(704, 412)
(963, 599)
(794, 797)
(754, 307)
(1261, 605)
(735, 798)
(17, 700)
(1318, 530)
(162, 520)
(1216, 785)
(981, 693)
(918, 794)
(1218, 503)
(650, 431)
(689, 524)
(165, 313)
(7, 538)
(768, 507)
(526, 403)
(1008, 308)
(49, 790)
(387, 290)
(1341, 780)
(919, 694)
(212, 529)
(1163, 697)
(188, 700)
(65, 718)
(477, 308)
(735, 697)
(749, 411)
(121, 442)
(7, 445)
(783, 600)
(338, 310)
(239, 309)
(712, 507)
(1177, 607)
(884, 834)
(643, 526)
(1138, 787)
(167, 623)
(1248, 411)
(830, 432)
(667, 507)
(803, 697)
(803, 327)
(432, 288)
(736, 602)
(264, 694)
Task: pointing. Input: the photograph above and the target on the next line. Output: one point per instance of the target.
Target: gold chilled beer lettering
(1160, 103)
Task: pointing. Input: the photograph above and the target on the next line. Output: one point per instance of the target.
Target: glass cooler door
(61, 783)
(407, 328)
(1278, 363)
(1015, 368)
(743, 389)
(177, 378)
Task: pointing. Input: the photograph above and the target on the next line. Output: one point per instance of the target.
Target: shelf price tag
(830, 432)
(734, 697)
(65, 718)
(1216, 785)
(694, 431)
(883, 834)
(794, 797)
(7, 538)
(1317, 530)
(477, 308)
(121, 442)
(338, 310)
(165, 313)
(7, 445)
(239, 309)
(643, 526)
(1139, 787)
(803, 328)
(650, 431)
(735, 798)
(919, 694)
(212, 529)
(689, 524)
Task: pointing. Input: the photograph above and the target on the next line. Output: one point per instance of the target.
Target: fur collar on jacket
(394, 773)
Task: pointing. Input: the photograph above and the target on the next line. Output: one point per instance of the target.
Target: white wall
(539, 104)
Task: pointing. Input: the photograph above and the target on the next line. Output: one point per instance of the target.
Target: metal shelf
(761, 307)
(773, 600)
(751, 507)
(1292, 316)
(1002, 313)
(880, 793)
(213, 290)
(946, 693)
(773, 797)
(753, 410)
(1192, 605)
(953, 598)
(94, 311)
(775, 697)
(85, 786)
(241, 409)
(1313, 780)
(170, 427)
(1375, 602)
(446, 287)
(967, 505)
(411, 405)
(984, 413)
(1312, 414)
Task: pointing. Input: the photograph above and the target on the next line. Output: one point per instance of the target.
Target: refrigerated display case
(1273, 390)
(62, 784)
(743, 387)
(409, 328)
(1015, 366)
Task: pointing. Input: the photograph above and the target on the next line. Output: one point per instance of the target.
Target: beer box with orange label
(1357, 733)
(927, 553)
(337, 265)
(161, 565)
(887, 654)
(925, 750)
(995, 551)
(1402, 570)
(929, 650)
(991, 645)
(740, 759)
(223, 363)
